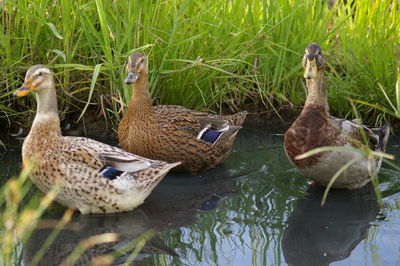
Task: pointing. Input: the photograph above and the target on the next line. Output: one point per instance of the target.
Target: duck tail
(231, 132)
(383, 133)
(164, 169)
(156, 174)
(237, 119)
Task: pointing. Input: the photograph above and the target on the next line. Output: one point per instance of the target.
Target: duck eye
(40, 74)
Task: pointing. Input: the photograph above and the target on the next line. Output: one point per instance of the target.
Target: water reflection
(173, 204)
(128, 227)
(318, 235)
(10, 159)
(179, 198)
(246, 228)
(273, 217)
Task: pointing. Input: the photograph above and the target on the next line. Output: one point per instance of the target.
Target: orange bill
(310, 69)
(25, 89)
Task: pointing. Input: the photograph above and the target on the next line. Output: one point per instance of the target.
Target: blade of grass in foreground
(50, 239)
(362, 154)
(16, 222)
(88, 243)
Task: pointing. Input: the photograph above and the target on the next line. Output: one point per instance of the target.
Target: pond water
(254, 209)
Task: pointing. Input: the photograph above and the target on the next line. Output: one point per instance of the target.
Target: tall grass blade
(50, 239)
(88, 243)
(92, 85)
(337, 174)
(54, 30)
(398, 92)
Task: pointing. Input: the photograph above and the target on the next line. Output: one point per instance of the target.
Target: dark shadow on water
(180, 197)
(176, 202)
(318, 235)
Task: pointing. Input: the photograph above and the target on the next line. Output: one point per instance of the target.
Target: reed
(21, 213)
(220, 56)
(17, 222)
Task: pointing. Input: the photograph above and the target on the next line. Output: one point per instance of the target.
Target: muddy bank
(95, 125)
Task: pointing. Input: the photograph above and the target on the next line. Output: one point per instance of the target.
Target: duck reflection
(318, 235)
(174, 203)
(179, 198)
(126, 226)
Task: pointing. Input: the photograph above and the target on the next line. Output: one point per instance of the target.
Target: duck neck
(140, 89)
(141, 104)
(317, 92)
(46, 120)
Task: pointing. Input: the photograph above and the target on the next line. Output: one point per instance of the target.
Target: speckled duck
(92, 177)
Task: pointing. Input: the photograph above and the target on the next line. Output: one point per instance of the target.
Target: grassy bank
(209, 55)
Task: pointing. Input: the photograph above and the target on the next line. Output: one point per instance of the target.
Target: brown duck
(173, 133)
(315, 128)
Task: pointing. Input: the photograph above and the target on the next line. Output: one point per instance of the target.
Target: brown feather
(169, 132)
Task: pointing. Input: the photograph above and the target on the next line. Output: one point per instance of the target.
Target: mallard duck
(173, 133)
(316, 128)
(92, 177)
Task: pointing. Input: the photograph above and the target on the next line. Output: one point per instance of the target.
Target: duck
(173, 133)
(315, 128)
(90, 176)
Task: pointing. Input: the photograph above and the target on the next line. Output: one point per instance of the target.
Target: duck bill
(131, 78)
(310, 69)
(25, 89)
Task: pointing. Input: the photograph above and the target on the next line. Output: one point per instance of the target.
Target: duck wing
(377, 137)
(183, 117)
(110, 161)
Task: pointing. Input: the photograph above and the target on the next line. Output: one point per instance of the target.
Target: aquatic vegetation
(17, 222)
(216, 56)
(393, 106)
(367, 57)
(21, 215)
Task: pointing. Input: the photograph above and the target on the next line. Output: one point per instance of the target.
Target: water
(255, 209)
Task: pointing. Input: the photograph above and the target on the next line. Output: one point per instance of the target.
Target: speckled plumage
(74, 163)
(171, 132)
(315, 128)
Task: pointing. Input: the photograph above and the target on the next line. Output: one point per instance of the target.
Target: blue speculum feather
(210, 204)
(110, 173)
(211, 135)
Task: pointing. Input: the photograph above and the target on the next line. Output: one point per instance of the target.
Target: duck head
(313, 61)
(37, 79)
(136, 66)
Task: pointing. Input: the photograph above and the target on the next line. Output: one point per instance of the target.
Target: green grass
(17, 222)
(208, 55)
(367, 54)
